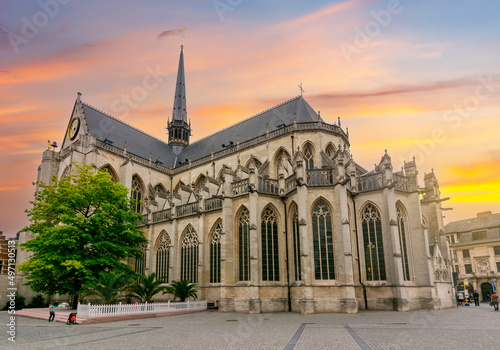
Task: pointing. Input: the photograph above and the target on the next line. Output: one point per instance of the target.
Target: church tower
(179, 129)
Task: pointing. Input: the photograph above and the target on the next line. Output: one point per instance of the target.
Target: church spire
(179, 112)
(179, 129)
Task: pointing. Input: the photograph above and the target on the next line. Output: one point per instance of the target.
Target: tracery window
(137, 194)
(163, 256)
(140, 264)
(270, 255)
(110, 172)
(244, 245)
(324, 268)
(373, 244)
(189, 256)
(309, 157)
(330, 151)
(403, 244)
(215, 253)
(296, 245)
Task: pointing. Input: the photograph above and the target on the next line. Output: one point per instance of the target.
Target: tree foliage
(146, 287)
(108, 286)
(182, 289)
(81, 225)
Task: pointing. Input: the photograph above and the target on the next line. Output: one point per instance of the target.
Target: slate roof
(105, 127)
(276, 117)
(473, 224)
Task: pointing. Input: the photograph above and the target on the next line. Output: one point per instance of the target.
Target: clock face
(74, 126)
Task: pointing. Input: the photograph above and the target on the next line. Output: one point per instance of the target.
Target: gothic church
(272, 213)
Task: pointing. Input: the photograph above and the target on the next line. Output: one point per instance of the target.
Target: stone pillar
(227, 256)
(254, 306)
(401, 303)
(345, 273)
(307, 298)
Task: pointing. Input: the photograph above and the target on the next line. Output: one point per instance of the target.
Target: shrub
(38, 301)
(20, 303)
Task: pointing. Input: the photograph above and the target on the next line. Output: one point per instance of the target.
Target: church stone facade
(272, 213)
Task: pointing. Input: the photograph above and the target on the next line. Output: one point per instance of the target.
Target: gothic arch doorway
(486, 290)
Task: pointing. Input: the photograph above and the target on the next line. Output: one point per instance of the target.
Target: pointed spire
(180, 111)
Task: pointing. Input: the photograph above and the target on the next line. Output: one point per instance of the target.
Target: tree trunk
(75, 302)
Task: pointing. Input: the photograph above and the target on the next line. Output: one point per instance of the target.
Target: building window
(455, 254)
(330, 151)
(468, 268)
(140, 264)
(270, 255)
(479, 235)
(452, 237)
(137, 194)
(373, 244)
(296, 245)
(163, 256)
(324, 268)
(215, 253)
(498, 266)
(309, 157)
(403, 245)
(1, 267)
(244, 245)
(456, 269)
(465, 253)
(497, 250)
(189, 256)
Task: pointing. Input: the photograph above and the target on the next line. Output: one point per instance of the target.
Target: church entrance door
(486, 290)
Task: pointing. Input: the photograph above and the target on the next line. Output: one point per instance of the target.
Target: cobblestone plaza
(458, 328)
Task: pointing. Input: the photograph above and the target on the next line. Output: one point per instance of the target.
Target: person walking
(52, 313)
(475, 295)
(494, 300)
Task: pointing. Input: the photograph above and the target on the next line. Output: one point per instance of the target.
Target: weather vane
(301, 90)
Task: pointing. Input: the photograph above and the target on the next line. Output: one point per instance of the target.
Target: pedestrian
(475, 295)
(52, 313)
(461, 298)
(494, 300)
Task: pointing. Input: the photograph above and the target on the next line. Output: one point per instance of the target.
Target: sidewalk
(63, 314)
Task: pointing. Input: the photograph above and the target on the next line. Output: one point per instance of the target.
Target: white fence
(89, 310)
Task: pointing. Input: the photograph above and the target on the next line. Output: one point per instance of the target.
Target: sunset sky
(418, 78)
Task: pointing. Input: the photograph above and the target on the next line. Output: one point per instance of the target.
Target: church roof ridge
(122, 121)
(251, 117)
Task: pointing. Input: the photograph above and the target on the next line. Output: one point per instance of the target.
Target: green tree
(81, 225)
(108, 286)
(182, 289)
(146, 287)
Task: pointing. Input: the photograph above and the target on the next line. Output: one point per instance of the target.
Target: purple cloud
(170, 32)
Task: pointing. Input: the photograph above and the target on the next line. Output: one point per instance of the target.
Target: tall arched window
(189, 256)
(403, 244)
(215, 253)
(163, 256)
(137, 194)
(324, 268)
(309, 157)
(296, 245)
(373, 244)
(140, 264)
(244, 245)
(108, 169)
(270, 255)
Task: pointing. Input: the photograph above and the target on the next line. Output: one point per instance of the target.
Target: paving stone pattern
(460, 328)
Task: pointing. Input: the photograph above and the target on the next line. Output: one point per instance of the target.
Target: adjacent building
(474, 248)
